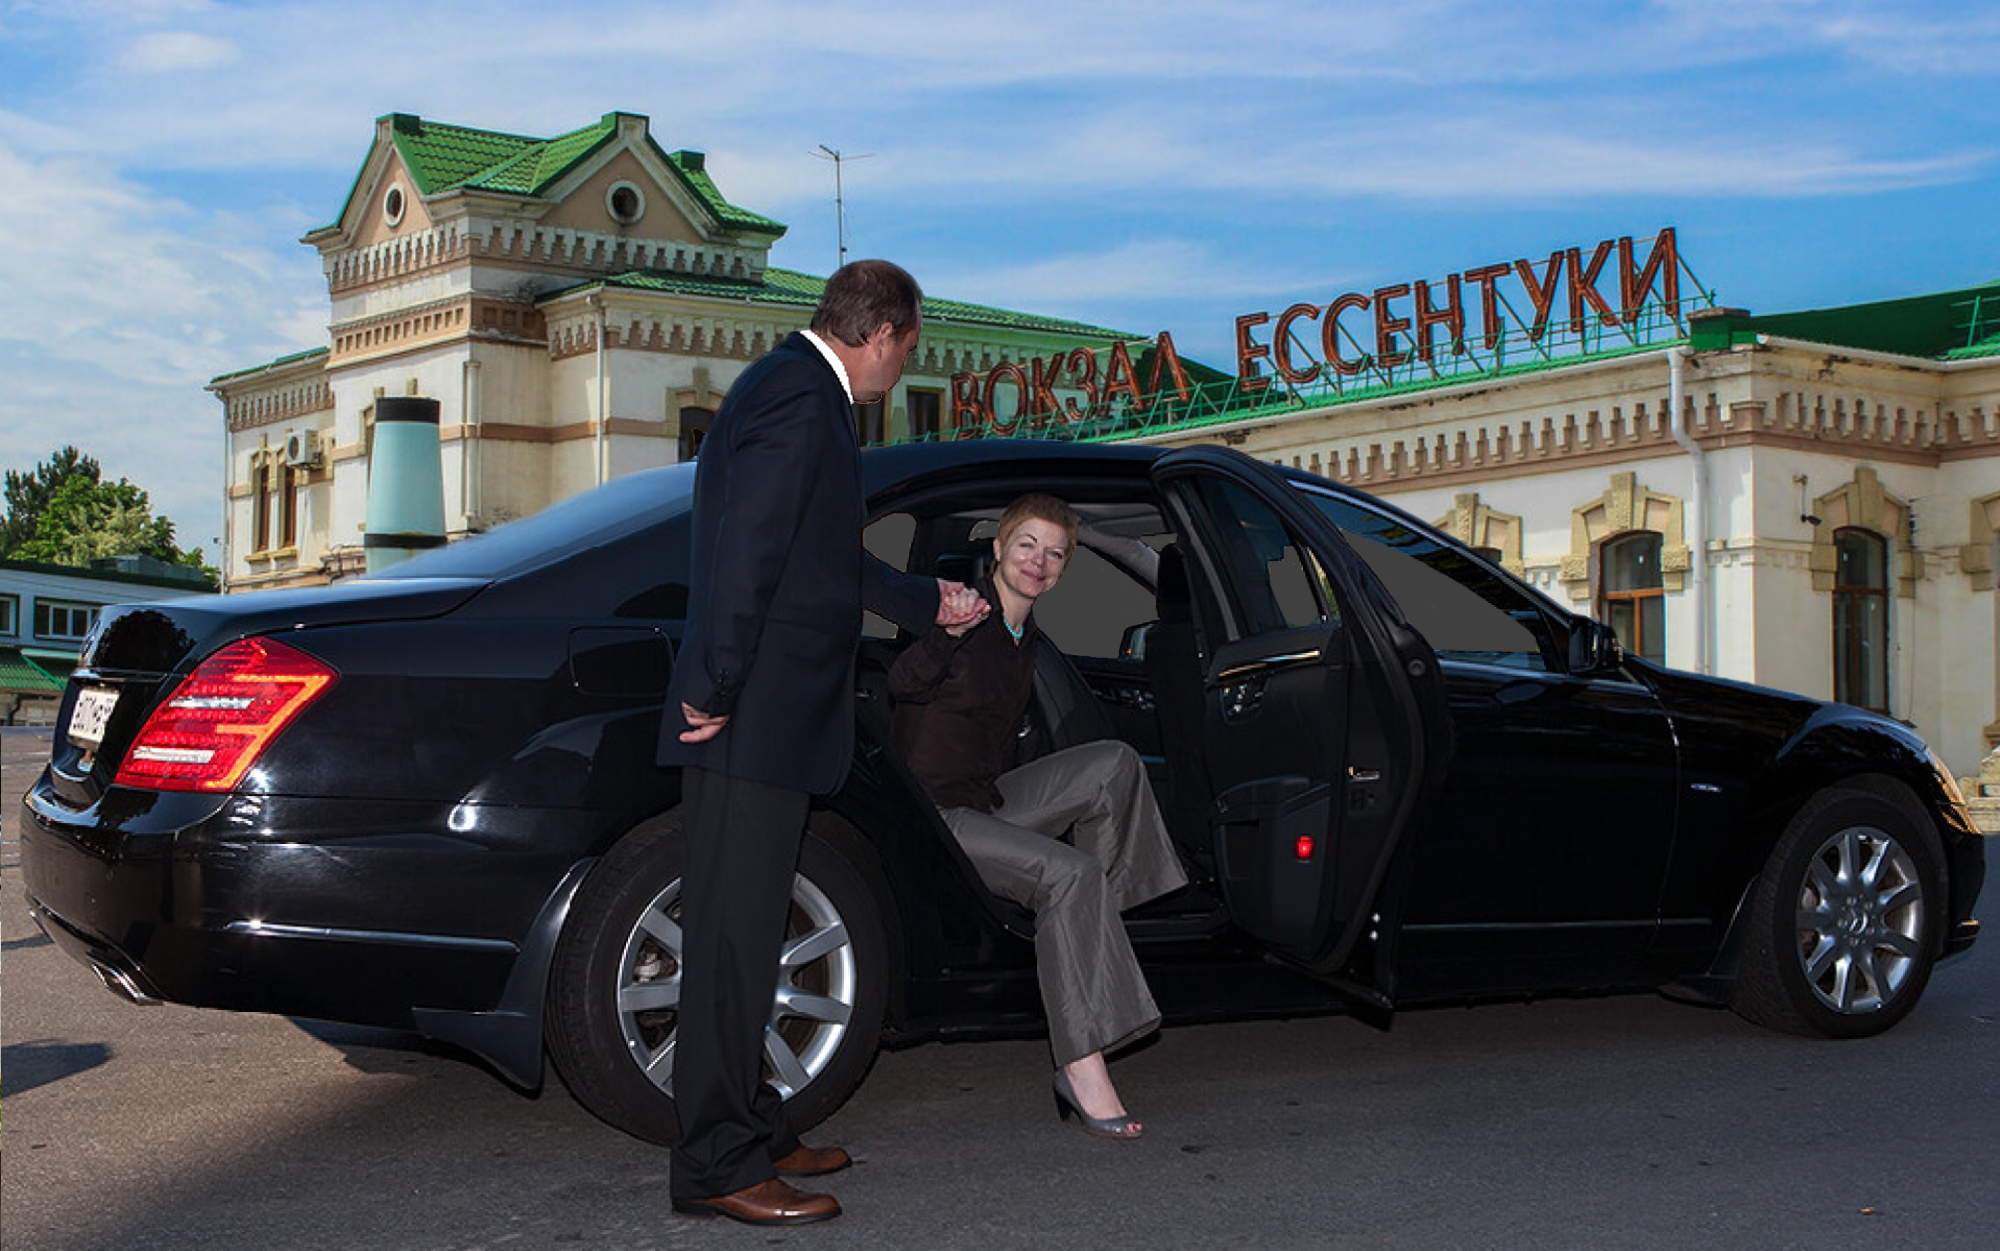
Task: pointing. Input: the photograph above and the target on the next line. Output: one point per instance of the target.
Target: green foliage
(64, 513)
(28, 494)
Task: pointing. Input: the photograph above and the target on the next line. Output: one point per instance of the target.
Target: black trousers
(743, 848)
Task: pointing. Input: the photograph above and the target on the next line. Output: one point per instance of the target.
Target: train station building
(1807, 500)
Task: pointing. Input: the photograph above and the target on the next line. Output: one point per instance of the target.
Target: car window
(887, 538)
(1461, 607)
(1273, 582)
(1093, 605)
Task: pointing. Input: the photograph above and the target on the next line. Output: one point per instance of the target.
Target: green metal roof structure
(797, 290)
(1947, 326)
(444, 158)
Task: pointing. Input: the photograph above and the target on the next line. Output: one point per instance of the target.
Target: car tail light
(212, 728)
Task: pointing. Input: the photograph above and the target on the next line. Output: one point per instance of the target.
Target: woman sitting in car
(960, 693)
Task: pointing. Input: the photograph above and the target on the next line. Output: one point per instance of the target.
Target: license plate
(88, 718)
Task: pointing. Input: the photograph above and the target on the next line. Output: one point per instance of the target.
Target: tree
(28, 494)
(64, 513)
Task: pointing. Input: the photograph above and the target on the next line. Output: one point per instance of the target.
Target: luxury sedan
(427, 799)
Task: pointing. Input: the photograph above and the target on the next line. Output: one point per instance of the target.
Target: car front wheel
(614, 997)
(1844, 921)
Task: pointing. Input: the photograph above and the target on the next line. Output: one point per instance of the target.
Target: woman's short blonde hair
(1039, 507)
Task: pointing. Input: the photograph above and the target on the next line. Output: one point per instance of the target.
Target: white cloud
(121, 305)
(174, 51)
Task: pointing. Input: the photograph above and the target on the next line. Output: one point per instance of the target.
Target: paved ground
(1610, 1123)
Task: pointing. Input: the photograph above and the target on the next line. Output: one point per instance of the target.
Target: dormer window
(625, 202)
(392, 205)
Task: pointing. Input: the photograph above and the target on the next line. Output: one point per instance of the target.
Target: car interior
(1118, 657)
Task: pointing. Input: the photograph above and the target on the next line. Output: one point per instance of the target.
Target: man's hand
(960, 607)
(705, 726)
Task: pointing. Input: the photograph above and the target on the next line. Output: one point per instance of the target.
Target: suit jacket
(779, 580)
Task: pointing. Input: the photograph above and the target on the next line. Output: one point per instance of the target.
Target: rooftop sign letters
(983, 405)
(1540, 307)
(1579, 303)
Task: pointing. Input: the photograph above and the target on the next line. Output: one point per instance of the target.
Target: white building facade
(578, 306)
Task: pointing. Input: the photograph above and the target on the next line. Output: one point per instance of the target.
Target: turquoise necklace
(1015, 630)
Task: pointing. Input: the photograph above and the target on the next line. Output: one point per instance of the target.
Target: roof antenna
(839, 206)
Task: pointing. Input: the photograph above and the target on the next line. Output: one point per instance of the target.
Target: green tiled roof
(789, 287)
(18, 673)
(1949, 325)
(282, 361)
(442, 157)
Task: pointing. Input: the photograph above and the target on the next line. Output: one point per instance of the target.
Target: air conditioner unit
(302, 449)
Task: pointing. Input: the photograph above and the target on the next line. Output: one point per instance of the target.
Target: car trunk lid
(139, 653)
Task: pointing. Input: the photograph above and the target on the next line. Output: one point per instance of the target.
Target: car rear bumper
(359, 911)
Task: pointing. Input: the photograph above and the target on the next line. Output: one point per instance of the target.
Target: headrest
(970, 564)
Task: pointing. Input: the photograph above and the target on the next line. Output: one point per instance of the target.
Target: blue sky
(1148, 166)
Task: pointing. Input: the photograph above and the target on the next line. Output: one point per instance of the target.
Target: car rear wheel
(1844, 922)
(614, 993)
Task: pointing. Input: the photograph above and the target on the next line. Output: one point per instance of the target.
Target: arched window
(1861, 619)
(694, 428)
(1634, 602)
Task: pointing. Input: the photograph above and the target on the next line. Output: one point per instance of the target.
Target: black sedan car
(1396, 774)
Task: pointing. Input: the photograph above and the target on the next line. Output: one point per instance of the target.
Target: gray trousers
(1120, 856)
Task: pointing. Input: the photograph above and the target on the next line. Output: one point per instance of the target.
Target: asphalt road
(1596, 1123)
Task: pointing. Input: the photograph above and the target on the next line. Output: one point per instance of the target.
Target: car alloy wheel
(614, 991)
(818, 981)
(1843, 920)
(1861, 920)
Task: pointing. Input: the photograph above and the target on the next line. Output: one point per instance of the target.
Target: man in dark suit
(760, 714)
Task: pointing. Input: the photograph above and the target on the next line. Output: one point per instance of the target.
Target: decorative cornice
(549, 249)
(286, 399)
(441, 321)
(1483, 450)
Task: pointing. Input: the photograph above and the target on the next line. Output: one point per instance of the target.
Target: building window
(926, 414)
(10, 614)
(62, 621)
(1861, 619)
(1634, 599)
(625, 202)
(288, 508)
(694, 428)
(392, 206)
(869, 420)
(260, 504)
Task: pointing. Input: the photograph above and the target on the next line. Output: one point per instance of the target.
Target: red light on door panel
(1304, 847)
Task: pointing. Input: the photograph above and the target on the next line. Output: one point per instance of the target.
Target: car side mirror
(1593, 647)
(1133, 645)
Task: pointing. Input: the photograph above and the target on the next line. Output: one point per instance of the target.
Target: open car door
(1324, 726)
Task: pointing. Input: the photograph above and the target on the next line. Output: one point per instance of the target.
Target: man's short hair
(862, 295)
(1039, 507)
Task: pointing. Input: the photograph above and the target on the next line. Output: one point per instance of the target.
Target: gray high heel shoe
(1097, 1126)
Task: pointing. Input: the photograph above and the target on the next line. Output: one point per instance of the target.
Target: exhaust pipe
(121, 983)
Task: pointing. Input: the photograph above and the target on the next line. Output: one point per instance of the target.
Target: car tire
(1844, 920)
(611, 1015)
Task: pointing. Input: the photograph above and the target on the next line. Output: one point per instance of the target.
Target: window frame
(45, 610)
(1849, 655)
(1636, 597)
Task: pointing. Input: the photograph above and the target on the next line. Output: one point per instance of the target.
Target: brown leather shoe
(812, 1161)
(775, 1202)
